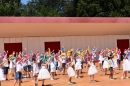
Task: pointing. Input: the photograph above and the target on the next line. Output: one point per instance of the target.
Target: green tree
(103, 8)
(66, 8)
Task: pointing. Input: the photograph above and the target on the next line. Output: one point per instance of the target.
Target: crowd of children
(42, 66)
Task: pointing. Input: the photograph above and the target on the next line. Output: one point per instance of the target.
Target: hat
(62, 54)
(47, 53)
(78, 52)
(10, 55)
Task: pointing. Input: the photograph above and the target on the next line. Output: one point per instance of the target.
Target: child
(100, 62)
(92, 70)
(11, 66)
(35, 69)
(119, 59)
(53, 67)
(6, 66)
(18, 72)
(111, 65)
(2, 77)
(63, 57)
(78, 65)
(115, 62)
(29, 66)
(43, 73)
(105, 63)
(25, 65)
(70, 70)
(126, 67)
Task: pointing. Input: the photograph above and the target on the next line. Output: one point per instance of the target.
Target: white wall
(37, 43)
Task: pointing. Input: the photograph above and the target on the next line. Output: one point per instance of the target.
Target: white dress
(60, 61)
(44, 73)
(53, 68)
(93, 54)
(35, 69)
(100, 58)
(73, 62)
(105, 64)
(92, 69)
(11, 66)
(2, 77)
(70, 71)
(78, 64)
(115, 62)
(126, 65)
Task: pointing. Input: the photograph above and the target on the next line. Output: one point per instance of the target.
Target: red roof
(64, 19)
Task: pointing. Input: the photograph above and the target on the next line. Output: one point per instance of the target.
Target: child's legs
(52, 74)
(69, 79)
(63, 70)
(53, 70)
(29, 70)
(123, 74)
(6, 72)
(35, 78)
(119, 64)
(81, 67)
(99, 66)
(126, 73)
(43, 82)
(19, 82)
(15, 82)
(111, 72)
(25, 70)
(63, 66)
(87, 66)
(92, 77)
(77, 72)
(105, 71)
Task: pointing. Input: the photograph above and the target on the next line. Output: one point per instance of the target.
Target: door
(123, 44)
(53, 46)
(17, 47)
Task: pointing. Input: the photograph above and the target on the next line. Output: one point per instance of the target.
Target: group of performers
(42, 66)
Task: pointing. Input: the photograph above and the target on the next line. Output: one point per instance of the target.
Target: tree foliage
(66, 8)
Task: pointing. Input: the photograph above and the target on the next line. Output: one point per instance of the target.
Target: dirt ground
(62, 80)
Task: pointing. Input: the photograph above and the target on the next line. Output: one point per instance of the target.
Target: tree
(66, 8)
(103, 8)
(88, 8)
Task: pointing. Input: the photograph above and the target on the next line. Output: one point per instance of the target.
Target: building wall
(37, 43)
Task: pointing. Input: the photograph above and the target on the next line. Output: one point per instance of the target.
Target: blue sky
(24, 1)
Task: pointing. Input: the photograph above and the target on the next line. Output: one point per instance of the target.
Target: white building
(39, 33)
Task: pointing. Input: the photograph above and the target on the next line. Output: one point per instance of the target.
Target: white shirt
(111, 63)
(129, 57)
(63, 59)
(6, 64)
(18, 67)
(25, 63)
(52, 65)
(78, 60)
(38, 59)
(29, 62)
(94, 54)
(101, 58)
(118, 56)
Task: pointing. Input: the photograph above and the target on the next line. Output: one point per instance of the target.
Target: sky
(24, 1)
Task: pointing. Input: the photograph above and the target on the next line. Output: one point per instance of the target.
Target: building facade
(39, 33)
